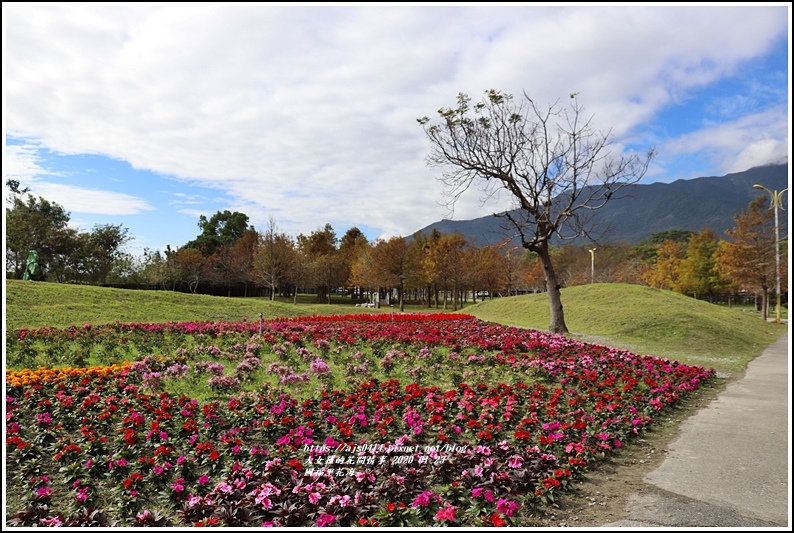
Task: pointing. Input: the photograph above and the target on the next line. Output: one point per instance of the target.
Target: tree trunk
(765, 304)
(557, 324)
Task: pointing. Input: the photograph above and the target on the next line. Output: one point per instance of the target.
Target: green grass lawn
(637, 318)
(646, 321)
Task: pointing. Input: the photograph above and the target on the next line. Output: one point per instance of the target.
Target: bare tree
(272, 258)
(555, 165)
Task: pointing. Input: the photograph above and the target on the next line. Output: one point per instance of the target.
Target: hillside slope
(646, 321)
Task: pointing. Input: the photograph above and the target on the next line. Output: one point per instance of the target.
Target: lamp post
(776, 197)
(592, 265)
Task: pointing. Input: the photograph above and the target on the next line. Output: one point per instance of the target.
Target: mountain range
(691, 204)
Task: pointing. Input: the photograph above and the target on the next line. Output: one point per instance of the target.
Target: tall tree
(699, 275)
(193, 267)
(555, 165)
(224, 227)
(748, 259)
(272, 258)
(351, 245)
(35, 224)
(665, 271)
(393, 262)
(325, 266)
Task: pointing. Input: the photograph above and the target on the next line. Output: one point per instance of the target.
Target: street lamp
(592, 265)
(775, 196)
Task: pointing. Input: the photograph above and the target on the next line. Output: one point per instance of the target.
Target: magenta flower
(506, 507)
(423, 500)
(326, 520)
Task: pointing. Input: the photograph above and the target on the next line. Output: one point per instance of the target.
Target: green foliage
(222, 228)
(65, 255)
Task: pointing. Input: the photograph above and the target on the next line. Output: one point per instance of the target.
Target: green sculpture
(33, 265)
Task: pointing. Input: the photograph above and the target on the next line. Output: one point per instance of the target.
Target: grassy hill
(645, 321)
(637, 318)
(37, 304)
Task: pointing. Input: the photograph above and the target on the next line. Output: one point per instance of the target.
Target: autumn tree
(272, 258)
(489, 268)
(351, 245)
(665, 271)
(394, 263)
(326, 268)
(747, 260)
(553, 163)
(363, 270)
(193, 267)
(698, 273)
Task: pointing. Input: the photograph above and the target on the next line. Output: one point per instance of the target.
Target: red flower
(497, 521)
(129, 437)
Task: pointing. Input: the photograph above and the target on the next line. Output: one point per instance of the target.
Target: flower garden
(358, 420)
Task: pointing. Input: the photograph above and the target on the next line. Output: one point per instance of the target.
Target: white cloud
(753, 140)
(307, 112)
(89, 201)
(22, 163)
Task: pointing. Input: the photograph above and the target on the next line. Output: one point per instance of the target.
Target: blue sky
(150, 116)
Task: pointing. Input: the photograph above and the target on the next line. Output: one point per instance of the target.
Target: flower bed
(390, 420)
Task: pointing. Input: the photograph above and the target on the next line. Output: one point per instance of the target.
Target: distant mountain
(692, 204)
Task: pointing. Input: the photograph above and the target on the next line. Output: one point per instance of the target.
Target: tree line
(230, 257)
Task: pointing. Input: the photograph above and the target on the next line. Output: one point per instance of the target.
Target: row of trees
(230, 257)
(67, 255)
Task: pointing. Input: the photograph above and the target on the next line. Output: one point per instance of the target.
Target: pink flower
(314, 497)
(203, 480)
